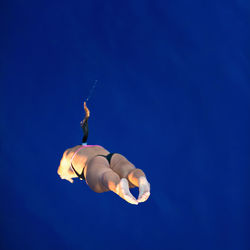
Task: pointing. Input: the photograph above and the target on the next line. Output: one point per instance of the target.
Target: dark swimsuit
(84, 125)
(81, 176)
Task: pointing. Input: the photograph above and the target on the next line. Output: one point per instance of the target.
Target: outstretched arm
(84, 124)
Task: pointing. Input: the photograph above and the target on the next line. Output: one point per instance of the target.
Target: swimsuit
(108, 157)
(81, 176)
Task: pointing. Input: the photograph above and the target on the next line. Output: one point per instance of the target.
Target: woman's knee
(110, 180)
(134, 176)
(136, 173)
(121, 166)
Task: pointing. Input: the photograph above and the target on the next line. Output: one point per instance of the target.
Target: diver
(103, 171)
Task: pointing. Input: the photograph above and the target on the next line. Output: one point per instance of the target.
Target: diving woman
(103, 171)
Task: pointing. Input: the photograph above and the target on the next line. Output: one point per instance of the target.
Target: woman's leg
(101, 178)
(135, 176)
(126, 169)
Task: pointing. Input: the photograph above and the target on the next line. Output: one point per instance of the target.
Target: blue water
(173, 96)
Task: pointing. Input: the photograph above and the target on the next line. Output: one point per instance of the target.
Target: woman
(102, 170)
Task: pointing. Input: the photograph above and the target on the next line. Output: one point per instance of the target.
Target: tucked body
(115, 174)
(102, 170)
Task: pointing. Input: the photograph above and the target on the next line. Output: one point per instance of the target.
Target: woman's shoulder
(70, 151)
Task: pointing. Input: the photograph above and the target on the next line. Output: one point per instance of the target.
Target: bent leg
(125, 169)
(99, 176)
(135, 176)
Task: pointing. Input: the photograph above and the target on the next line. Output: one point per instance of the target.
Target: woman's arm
(84, 124)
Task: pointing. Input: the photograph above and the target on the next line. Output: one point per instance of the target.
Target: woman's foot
(122, 190)
(144, 189)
